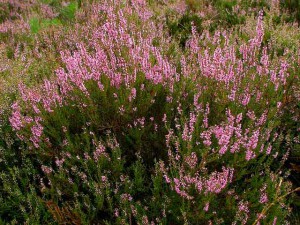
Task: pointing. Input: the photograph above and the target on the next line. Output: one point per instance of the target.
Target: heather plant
(32, 54)
(20, 199)
(127, 133)
(293, 6)
(124, 126)
(216, 14)
(282, 36)
(182, 29)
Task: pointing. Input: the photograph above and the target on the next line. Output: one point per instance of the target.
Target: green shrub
(181, 29)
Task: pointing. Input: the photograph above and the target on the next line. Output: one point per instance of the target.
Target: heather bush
(130, 126)
(182, 29)
(293, 6)
(20, 198)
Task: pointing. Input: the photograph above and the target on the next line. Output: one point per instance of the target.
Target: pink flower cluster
(193, 177)
(231, 136)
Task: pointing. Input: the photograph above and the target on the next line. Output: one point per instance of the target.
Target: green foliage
(50, 22)
(68, 12)
(293, 6)
(34, 25)
(227, 16)
(37, 24)
(181, 29)
(4, 12)
(19, 179)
